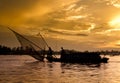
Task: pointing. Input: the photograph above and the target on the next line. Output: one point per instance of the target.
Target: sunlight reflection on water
(25, 69)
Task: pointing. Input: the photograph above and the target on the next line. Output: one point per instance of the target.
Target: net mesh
(34, 45)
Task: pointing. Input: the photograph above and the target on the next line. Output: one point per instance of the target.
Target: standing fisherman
(62, 52)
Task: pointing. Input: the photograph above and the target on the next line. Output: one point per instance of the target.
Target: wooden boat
(80, 57)
(66, 56)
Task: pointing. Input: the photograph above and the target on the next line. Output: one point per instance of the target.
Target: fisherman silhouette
(62, 51)
(49, 54)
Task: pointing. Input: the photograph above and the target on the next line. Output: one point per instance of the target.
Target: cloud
(115, 3)
(66, 32)
(16, 12)
(12, 11)
(85, 21)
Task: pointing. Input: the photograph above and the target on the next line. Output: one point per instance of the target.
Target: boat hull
(89, 57)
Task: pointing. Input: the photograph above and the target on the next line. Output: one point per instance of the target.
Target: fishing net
(35, 46)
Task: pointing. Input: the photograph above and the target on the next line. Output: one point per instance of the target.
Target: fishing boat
(65, 55)
(80, 57)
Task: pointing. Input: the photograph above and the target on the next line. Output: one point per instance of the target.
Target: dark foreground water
(25, 69)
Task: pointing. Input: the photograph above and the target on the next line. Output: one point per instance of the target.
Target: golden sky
(74, 24)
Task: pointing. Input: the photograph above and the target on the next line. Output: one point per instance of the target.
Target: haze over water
(25, 69)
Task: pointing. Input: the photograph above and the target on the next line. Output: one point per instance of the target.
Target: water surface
(25, 69)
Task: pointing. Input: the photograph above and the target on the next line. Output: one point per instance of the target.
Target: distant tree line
(4, 50)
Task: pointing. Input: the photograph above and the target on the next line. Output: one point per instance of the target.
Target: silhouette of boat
(80, 57)
(66, 56)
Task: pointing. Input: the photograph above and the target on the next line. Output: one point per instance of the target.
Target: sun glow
(115, 22)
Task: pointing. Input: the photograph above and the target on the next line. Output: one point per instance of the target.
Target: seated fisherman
(50, 53)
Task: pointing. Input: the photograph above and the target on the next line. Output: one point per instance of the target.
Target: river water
(25, 69)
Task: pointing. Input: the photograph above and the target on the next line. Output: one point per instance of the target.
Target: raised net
(35, 46)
